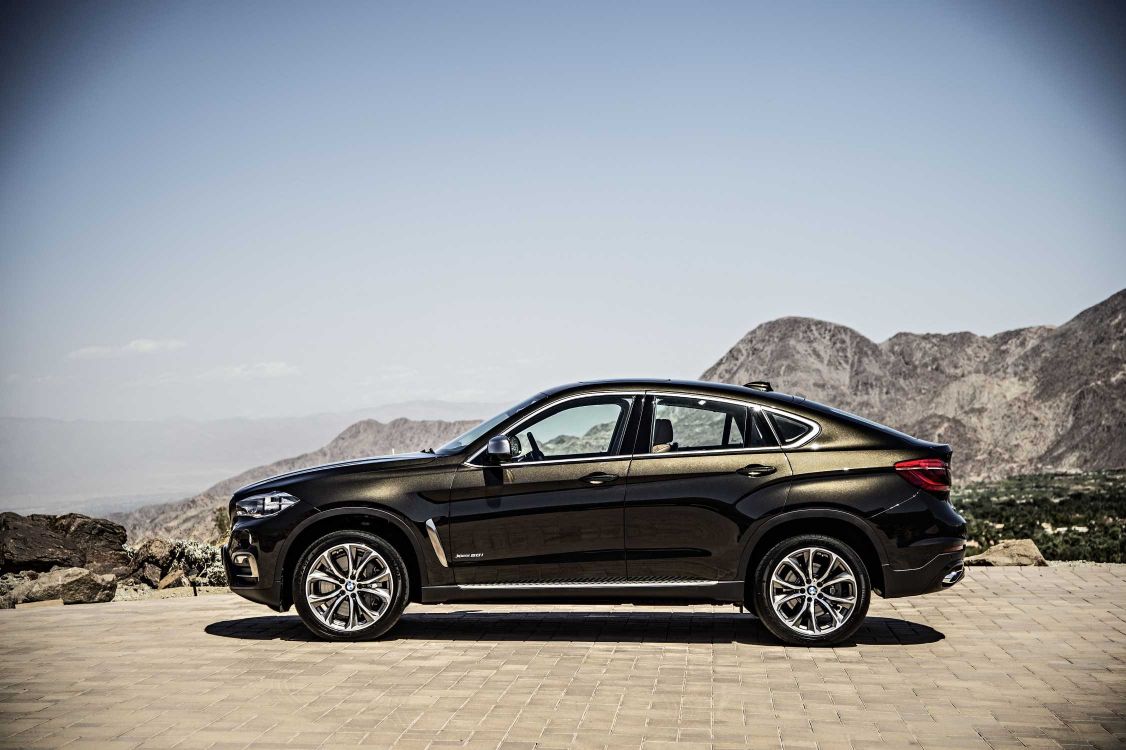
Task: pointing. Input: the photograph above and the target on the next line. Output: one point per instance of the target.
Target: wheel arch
(833, 522)
(384, 523)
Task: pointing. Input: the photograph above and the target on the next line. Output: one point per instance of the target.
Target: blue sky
(217, 209)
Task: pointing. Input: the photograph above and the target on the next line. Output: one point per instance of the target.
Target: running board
(593, 591)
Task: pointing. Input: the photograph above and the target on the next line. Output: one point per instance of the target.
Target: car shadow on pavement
(624, 627)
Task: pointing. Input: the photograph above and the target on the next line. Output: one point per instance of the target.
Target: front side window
(580, 428)
(683, 423)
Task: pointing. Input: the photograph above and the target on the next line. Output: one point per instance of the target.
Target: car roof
(669, 384)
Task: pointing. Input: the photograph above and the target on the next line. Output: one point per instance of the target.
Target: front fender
(382, 514)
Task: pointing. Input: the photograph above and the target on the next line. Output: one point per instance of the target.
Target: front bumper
(254, 557)
(255, 589)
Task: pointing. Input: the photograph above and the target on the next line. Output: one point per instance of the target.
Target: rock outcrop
(162, 563)
(1009, 552)
(79, 559)
(71, 585)
(41, 542)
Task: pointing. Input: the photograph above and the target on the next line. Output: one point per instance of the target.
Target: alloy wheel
(349, 587)
(813, 591)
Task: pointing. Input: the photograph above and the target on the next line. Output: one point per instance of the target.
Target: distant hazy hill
(1024, 401)
(193, 518)
(92, 466)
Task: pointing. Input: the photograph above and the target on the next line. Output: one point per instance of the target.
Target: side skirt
(617, 592)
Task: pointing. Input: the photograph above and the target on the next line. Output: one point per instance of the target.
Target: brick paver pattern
(1013, 657)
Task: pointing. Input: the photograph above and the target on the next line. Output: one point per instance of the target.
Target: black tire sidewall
(399, 576)
(774, 623)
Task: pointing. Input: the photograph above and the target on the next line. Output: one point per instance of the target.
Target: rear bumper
(942, 571)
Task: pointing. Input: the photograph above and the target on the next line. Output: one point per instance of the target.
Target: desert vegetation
(1077, 516)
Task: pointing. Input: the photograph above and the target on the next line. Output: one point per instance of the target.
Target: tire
(350, 586)
(802, 611)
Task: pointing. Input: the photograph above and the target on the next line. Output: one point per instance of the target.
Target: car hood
(370, 464)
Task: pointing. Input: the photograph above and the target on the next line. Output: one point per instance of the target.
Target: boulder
(149, 574)
(9, 582)
(100, 542)
(72, 585)
(26, 543)
(1010, 552)
(41, 542)
(174, 579)
(156, 552)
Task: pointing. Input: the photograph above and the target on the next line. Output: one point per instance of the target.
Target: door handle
(600, 477)
(756, 470)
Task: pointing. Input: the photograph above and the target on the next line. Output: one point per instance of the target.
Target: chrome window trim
(550, 461)
(815, 430)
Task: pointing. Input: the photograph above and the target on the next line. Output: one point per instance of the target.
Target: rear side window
(790, 430)
(682, 423)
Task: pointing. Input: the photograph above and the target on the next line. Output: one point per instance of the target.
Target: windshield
(461, 441)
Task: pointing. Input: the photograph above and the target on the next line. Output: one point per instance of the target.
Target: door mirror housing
(503, 448)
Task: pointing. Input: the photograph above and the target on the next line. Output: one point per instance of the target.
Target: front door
(706, 467)
(554, 512)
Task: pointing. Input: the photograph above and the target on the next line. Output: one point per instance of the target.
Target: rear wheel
(812, 590)
(350, 585)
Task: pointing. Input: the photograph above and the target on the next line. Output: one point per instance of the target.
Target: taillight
(932, 474)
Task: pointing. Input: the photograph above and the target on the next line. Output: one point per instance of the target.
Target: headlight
(260, 506)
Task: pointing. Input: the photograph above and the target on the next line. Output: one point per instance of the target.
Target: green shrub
(1046, 508)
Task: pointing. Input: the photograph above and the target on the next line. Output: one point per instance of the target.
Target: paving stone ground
(1010, 658)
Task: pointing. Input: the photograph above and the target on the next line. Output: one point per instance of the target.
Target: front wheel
(350, 586)
(812, 590)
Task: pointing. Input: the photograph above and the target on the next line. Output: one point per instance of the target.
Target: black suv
(614, 491)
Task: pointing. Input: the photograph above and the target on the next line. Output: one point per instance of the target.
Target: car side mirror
(503, 448)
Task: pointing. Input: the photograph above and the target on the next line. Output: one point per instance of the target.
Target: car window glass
(689, 423)
(586, 427)
(761, 436)
(789, 429)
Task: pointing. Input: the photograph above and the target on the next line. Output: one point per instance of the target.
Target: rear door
(704, 467)
(554, 513)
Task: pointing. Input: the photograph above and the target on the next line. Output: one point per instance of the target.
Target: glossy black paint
(633, 526)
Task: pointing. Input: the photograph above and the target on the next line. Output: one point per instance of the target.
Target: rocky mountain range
(193, 518)
(1035, 399)
(1030, 400)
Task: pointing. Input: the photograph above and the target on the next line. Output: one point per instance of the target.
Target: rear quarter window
(789, 430)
